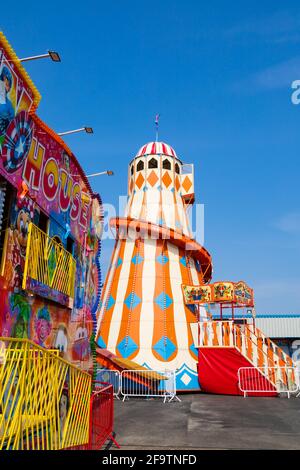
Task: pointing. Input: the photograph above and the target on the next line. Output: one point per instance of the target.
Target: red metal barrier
(101, 418)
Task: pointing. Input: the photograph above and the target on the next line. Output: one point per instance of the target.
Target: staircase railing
(259, 350)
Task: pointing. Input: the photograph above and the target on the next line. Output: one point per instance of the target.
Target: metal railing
(140, 383)
(250, 341)
(112, 377)
(44, 400)
(149, 383)
(101, 419)
(266, 380)
(48, 263)
(259, 350)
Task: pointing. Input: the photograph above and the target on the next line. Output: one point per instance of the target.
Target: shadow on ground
(208, 422)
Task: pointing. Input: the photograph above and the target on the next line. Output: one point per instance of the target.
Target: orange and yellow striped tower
(143, 316)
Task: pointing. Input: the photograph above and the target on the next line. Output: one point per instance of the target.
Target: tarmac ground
(210, 422)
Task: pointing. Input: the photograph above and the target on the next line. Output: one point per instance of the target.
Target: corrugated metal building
(279, 326)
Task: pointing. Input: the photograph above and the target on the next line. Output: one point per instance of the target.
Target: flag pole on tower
(156, 125)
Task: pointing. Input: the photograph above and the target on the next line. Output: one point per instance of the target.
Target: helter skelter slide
(156, 298)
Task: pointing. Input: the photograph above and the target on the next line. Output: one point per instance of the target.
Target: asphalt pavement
(203, 421)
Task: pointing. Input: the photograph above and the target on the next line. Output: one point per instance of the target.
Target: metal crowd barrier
(101, 419)
(149, 383)
(112, 377)
(140, 383)
(268, 380)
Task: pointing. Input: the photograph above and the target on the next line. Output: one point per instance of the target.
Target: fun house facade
(50, 227)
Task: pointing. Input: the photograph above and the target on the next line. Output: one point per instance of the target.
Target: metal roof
(279, 327)
(276, 326)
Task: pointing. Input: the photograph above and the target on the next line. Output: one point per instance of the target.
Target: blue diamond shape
(194, 349)
(145, 188)
(178, 224)
(101, 343)
(183, 260)
(110, 303)
(173, 190)
(163, 300)
(127, 348)
(161, 222)
(193, 384)
(162, 259)
(119, 262)
(132, 300)
(165, 348)
(159, 187)
(137, 259)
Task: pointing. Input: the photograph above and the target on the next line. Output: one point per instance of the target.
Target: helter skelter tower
(143, 316)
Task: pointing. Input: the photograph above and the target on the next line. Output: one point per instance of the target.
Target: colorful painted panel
(243, 294)
(223, 291)
(41, 182)
(196, 294)
(33, 157)
(227, 292)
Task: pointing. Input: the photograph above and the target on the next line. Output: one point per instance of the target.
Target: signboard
(225, 292)
(32, 156)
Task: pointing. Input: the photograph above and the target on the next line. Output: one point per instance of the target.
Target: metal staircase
(261, 354)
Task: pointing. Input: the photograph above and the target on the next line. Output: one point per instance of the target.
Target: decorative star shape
(20, 148)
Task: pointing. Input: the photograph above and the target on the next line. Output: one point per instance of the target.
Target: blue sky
(220, 75)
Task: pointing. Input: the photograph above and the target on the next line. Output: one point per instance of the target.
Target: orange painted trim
(164, 319)
(143, 229)
(190, 317)
(106, 321)
(131, 316)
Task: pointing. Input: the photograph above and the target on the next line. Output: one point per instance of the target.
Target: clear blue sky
(220, 74)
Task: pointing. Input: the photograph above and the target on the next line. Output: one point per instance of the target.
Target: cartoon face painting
(21, 230)
(61, 340)
(42, 325)
(81, 347)
(6, 108)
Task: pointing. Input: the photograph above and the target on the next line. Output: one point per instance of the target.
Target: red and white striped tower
(143, 316)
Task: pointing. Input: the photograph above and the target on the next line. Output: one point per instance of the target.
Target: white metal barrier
(149, 383)
(112, 377)
(268, 380)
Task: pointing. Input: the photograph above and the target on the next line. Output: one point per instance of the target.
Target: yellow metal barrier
(44, 400)
(48, 262)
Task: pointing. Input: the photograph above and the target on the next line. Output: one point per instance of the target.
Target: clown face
(43, 329)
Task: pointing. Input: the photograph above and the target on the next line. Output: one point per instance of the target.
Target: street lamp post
(54, 56)
(107, 172)
(88, 130)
